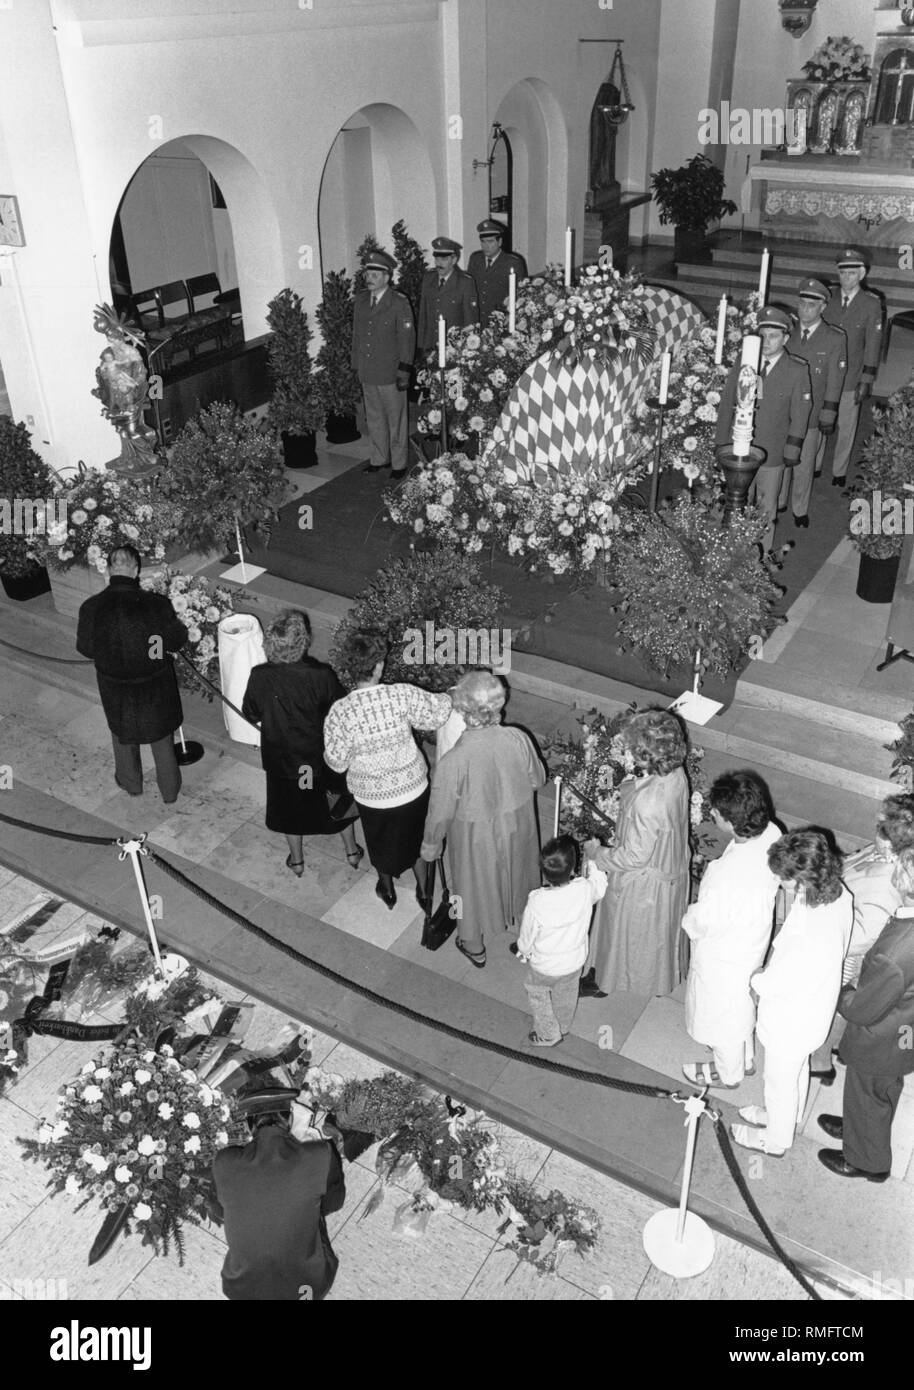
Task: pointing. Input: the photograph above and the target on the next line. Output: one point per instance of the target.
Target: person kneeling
(553, 938)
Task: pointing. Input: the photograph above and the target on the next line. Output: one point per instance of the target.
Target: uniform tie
(805, 335)
(441, 280)
(766, 367)
(845, 300)
(489, 260)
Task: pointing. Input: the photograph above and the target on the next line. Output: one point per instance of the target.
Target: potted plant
(411, 264)
(337, 384)
(875, 524)
(369, 245)
(26, 499)
(691, 197)
(226, 473)
(295, 408)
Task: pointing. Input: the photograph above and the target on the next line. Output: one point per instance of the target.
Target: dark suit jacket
(456, 300)
(290, 702)
(137, 686)
(861, 321)
(879, 1038)
(383, 338)
(273, 1195)
(492, 281)
(826, 355)
(781, 413)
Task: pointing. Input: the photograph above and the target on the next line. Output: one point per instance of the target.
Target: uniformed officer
(383, 347)
(859, 313)
(491, 267)
(784, 401)
(446, 292)
(824, 348)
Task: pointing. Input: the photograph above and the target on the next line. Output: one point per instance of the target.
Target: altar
(832, 199)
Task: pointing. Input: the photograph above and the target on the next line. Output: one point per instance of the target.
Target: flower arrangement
(594, 763)
(482, 366)
(691, 196)
(838, 60)
(903, 749)
(156, 1004)
(886, 470)
(104, 511)
(136, 1130)
(544, 1225)
(442, 587)
(201, 606)
(690, 585)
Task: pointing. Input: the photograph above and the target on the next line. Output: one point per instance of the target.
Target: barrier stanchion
(187, 753)
(558, 803)
(676, 1240)
(134, 848)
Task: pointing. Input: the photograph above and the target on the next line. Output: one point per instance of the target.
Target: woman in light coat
(730, 928)
(799, 987)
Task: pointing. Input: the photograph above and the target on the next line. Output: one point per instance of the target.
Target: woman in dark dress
(289, 696)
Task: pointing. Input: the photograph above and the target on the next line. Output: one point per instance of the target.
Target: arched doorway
(533, 122)
(377, 171)
(501, 181)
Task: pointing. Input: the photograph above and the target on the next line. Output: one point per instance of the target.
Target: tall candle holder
(661, 407)
(444, 441)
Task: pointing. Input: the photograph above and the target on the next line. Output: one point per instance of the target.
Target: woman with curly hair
(799, 987)
(482, 802)
(633, 944)
(289, 696)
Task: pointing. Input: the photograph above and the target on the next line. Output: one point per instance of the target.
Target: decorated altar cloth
(838, 200)
(560, 417)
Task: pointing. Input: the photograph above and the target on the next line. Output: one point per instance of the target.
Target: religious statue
(122, 386)
(851, 122)
(825, 124)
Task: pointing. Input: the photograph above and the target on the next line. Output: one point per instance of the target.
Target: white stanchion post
(676, 1240)
(134, 848)
(558, 803)
(181, 737)
(244, 576)
(697, 681)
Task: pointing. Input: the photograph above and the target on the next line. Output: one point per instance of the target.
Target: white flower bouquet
(201, 606)
(104, 511)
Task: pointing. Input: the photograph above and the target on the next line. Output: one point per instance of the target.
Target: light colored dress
(482, 802)
(633, 945)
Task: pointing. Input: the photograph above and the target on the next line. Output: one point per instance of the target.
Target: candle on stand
(442, 341)
(721, 327)
(745, 394)
(512, 299)
(567, 257)
(665, 377)
(763, 275)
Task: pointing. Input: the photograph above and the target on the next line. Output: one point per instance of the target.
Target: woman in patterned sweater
(369, 736)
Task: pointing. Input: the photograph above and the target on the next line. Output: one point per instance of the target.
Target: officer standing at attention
(383, 347)
(491, 267)
(859, 313)
(824, 348)
(446, 292)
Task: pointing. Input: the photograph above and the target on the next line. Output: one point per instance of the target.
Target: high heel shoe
(388, 898)
(425, 902)
(356, 857)
(296, 865)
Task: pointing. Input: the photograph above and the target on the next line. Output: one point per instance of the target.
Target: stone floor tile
(24, 1184)
(659, 1040)
(505, 1279)
(53, 1242)
(196, 825)
(345, 1061)
(359, 1182)
(360, 912)
(164, 1278)
(736, 1271)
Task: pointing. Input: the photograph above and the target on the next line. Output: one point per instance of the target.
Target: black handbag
(440, 923)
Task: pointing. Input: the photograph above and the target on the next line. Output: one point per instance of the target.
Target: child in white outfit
(553, 938)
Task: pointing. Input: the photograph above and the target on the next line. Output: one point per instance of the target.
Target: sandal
(356, 857)
(754, 1139)
(541, 1042)
(477, 958)
(706, 1074)
(296, 865)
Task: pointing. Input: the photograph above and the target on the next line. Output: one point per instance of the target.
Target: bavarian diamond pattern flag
(560, 418)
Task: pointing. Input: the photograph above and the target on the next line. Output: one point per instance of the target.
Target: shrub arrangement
(24, 476)
(295, 406)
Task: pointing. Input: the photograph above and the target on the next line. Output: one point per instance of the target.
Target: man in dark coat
(824, 349)
(273, 1195)
(782, 411)
(491, 267)
(878, 1045)
(129, 633)
(858, 312)
(383, 347)
(447, 292)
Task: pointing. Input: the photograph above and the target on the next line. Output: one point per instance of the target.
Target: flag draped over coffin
(560, 418)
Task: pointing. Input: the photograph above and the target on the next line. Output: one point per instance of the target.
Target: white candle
(752, 351)
(763, 275)
(512, 299)
(442, 341)
(721, 327)
(567, 256)
(665, 377)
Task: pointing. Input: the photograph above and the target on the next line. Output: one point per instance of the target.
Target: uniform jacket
(862, 325)
(781, 414)
(455, 299)
(273, 1195)
(880, 1011)
(383, 337)
(139, 692)
(290, 700)
(492, 281)
(826, 354)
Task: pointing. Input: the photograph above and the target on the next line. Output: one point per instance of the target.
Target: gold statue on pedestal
(122, 386)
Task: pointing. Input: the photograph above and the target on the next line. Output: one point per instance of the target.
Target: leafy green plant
(883, 475)
(903, 748)
(543, 1225)
(369, 246)
(96, 964)
(689, 585)
(691, 196)
(411, 264)
(24, 476)
(224, 468)
(295, 407)
(443, 587)
(337, 384)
